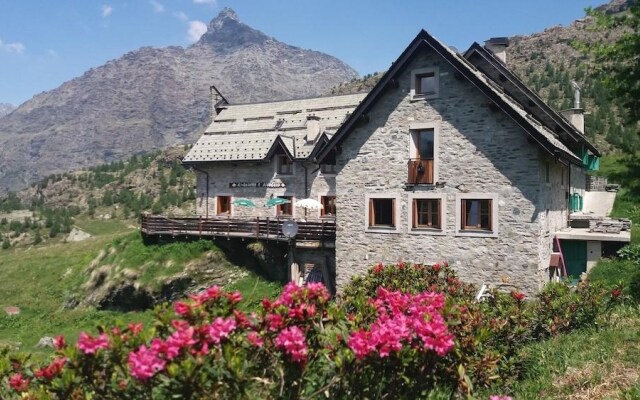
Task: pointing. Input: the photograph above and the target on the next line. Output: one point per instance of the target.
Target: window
(422, 166)
(223, 205)
(477, 214)
(426, 214)
(382, 212)
(329, 206)
(284, 165)
(547, 172)
(328, 169)
(285, 210)
(425, 83)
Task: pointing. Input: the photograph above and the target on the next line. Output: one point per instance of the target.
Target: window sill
(423, 97)
(427, 231)
(382, 229)
(412, 186)
(477, 233)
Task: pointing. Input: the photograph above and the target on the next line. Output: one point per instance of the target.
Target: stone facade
(480, 152)
(221, 176)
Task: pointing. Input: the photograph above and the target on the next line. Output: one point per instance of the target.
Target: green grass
(585, 364)
(38, 280)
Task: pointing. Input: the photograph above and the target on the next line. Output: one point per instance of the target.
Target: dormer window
(426, 83)
(284, 166)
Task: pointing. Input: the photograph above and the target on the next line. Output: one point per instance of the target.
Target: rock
(77, 235)
(46, 341)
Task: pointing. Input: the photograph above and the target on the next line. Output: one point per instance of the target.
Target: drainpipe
(206, 207)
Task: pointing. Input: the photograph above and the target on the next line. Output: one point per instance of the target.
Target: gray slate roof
(246, 132)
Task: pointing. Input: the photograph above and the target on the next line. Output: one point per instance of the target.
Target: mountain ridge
(152, 98)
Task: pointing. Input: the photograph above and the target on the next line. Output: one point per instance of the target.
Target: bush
(630, 252)
(403, 331)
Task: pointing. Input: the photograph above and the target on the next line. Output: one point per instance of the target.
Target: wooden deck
(311, 234)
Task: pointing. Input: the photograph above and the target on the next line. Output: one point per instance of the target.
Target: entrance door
(575, 255)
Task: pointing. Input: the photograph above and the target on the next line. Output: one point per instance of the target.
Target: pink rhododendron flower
(234, 297)
(145, 363)
(59, 342)
(135, 329)
(52, 370)
(90, 345)
(255, 339)
(182, 308)
(182, 338)
(274, 322)
(19, 383)
(413, 320)
(292, 341)
(220, 329)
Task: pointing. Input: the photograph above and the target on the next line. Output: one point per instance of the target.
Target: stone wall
(479, 151)
(596, 183)
(221, 175)
(553, 208)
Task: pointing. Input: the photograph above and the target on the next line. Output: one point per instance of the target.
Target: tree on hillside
(618, 63)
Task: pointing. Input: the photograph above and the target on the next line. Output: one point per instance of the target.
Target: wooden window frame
(370, 223)
(224, 199)
(430, 166)
(279, 209)
(282, 160)
(429, 213)
(492, 212)
(413, 227)
(323, 211)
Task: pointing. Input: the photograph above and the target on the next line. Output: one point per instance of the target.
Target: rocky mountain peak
(227, 15)
(226, 32)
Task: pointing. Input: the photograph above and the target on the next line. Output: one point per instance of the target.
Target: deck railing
(420, 171)
(259, 228)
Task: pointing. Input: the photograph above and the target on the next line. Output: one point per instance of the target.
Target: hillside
(6, 108)
(153, 98)
(547, 61)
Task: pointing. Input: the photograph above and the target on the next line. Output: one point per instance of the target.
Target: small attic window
(425, 83)
(279, 124)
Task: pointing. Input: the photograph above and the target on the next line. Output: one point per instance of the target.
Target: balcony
(420, 172)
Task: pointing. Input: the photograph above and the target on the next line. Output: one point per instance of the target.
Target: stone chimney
(575, 115)
(498, 46)
(313, 128)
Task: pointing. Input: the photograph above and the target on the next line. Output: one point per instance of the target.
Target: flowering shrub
(402, 330)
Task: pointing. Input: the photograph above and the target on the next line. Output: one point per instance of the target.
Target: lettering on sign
(256, 184)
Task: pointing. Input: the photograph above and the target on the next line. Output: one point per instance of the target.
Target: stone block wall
(596, 183)
(479, 150)
(221, 175)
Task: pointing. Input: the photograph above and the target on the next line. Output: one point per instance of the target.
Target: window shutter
(393, 212)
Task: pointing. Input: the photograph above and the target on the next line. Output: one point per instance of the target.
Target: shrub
(630, 252)
(404, 331)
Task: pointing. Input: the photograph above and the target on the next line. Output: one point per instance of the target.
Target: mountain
(6, 108)
(154, 97)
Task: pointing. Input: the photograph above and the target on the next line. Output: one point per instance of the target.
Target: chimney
(575, 115)
(313, 128)
(498, 46)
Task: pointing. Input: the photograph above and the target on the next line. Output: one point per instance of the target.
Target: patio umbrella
(309, 204)
(244, 202)
(275, 201)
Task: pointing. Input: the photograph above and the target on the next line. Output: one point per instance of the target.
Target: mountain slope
(152, 98)
(6, 108)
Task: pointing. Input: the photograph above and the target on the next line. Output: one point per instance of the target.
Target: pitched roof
(252, 132)
(528, 99)
(546, 139)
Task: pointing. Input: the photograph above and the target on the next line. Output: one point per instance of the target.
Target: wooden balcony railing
(420, 172)
(259, 228)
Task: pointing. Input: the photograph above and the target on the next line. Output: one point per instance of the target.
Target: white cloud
(211, 2)
(157, 7)
(52, 53)
(196, 29)
(106, 10)
(16, 47)
(181, 16)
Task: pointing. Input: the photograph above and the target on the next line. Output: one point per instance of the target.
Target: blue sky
(44, 43)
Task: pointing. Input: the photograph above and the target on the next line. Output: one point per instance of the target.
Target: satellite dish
(290, 228)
